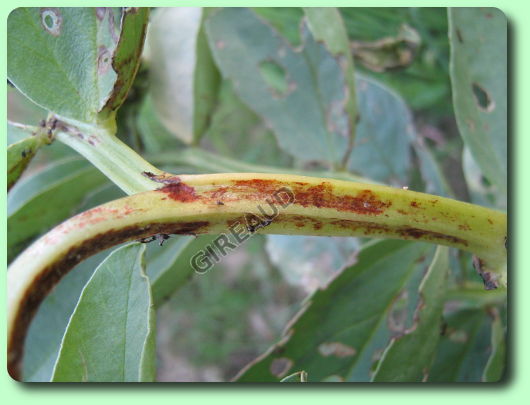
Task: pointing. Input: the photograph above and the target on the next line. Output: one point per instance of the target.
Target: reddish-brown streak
(321, 196)
(415, 204)
(403, 231)
(51, 275)
(180, 192)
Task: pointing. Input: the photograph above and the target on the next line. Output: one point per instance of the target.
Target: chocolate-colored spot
(459, 36)
(100, 13)
(104, 60)
(489, 280)
(180, 192)
(280, 366)
(482, 98)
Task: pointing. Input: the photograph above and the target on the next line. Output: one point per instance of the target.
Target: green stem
(122, 165)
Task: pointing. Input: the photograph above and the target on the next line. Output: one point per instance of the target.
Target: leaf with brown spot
(408, 356)
(126, 57)
(71, 46)
(346, 319)
(479, 81)
(464, 349)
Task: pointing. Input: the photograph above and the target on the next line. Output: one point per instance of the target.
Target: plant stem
(112, 157)
(216, 203)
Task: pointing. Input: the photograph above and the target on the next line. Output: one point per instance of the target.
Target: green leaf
(474, 296)
(298, 377)
(169, 266)
(126, 57)
(408, 358)
(430, 170)
(235, 130)
(154, 135)
(61, 57)
(309, 119)
(285, 20)
(41, 201)
(496, 365)
(21, 109)
(342, 328)
(464, 348)
(478, 38)
(100, 195)
(424, 84)
(481, 191)
(384, 133)
(184, 79)
(19, 154)
(47, 329)
(111, 334)
(327, 26)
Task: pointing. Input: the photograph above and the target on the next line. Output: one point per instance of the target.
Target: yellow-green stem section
(213, 203)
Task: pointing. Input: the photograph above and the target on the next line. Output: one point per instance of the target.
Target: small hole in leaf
(51, 20)
(275, 77)
(482, 97)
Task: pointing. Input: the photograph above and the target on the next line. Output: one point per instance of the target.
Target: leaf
(310, 261)
(49, 324)
(481, 191)
(388, 53)
(169, 266)
(430, 170)
(100, 195)
(494, 371)
(408, 358)
(463, 350)
(285, 20)
(19, 154)
(60, 57)
(478, 38)
(21, 109)
(184, 79)
(308, 118)
(342, 328)
(327, 26)
(424, 84)
(126, 58)
(298, 377)
(384, 132)
(41, 201)
(111, 334)
(474, 296)
(235, 130)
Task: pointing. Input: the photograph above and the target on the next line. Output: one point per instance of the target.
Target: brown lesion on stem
(52, 274)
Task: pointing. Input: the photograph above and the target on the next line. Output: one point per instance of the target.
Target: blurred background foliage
(199, 105)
